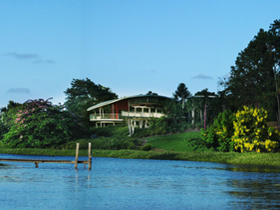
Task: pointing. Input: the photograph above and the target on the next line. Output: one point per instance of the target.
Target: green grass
(252, 158)
(167, 143)
(174, 142)
(51, 152)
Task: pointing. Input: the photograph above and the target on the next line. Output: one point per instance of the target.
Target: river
(137, 184)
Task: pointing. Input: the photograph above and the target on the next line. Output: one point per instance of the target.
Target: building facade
(135, 110)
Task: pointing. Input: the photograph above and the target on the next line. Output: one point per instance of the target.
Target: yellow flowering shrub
(251, 132)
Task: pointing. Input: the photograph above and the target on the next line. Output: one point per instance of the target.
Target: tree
(7, 113)
(182, 93)
(85, 93)
(274, 47)
(255, 77)
(150, 93)
(205, 102)
(39, 124)
(218, 135)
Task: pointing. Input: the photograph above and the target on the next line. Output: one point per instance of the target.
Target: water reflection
(262, 189)
(139, 184)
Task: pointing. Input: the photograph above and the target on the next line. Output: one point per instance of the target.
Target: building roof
(105, 103)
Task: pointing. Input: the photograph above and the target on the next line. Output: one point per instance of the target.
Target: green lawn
(175, 142)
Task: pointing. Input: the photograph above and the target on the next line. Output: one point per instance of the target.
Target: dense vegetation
(243, 131)
(83, 94)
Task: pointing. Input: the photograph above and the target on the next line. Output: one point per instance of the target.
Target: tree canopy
(255, 77)
(85, 93)
(39, 124)
(182, 93)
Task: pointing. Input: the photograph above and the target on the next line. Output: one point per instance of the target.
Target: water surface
(137, 184)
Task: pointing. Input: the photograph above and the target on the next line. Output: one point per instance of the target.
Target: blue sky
(130, 46)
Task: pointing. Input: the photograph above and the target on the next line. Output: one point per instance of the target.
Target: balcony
(126, 114)
(105, 117)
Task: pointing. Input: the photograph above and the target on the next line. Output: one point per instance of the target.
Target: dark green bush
(218, 136)
(3, 129)
(146, 147)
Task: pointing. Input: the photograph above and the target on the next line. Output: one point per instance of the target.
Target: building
(135, 110)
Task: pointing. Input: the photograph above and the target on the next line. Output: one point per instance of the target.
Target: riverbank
(252, 158)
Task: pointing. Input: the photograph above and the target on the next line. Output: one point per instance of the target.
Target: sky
(130, 46)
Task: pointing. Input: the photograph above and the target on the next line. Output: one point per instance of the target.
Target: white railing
(142, 114)
(112, 116)
(104, 116)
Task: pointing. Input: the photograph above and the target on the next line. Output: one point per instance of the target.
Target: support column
(141, 124)
(193, 112)
(133, 125)
(129, 127)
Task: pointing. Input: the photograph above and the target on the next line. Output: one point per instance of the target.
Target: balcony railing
(124, 114)
(142, 114)
(112, 116)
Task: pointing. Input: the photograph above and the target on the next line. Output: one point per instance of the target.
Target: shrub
(146, 147)
(218, 135)
(3, 129)
(251, 132)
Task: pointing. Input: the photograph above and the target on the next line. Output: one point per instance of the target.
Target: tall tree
(39, 124)
(182, 93)
(274, 50)
(85, 93)
(254, 78)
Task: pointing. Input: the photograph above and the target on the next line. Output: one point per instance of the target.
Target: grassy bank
(175, 142)
(253, 158)
(272, 159)
(172, 147)
(50, 152)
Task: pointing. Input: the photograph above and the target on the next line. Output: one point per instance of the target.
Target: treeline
(254, 81)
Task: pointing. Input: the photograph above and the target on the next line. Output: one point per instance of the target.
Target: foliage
(146, 147)
(182, 93)
(218, 135)
(254, 79)
(39, 124)
(3, 129)
(85, 93)
(110, 137)
(174, 112)
(161, 126)
(8, 113)
(158, 126)
(251, 132)
(213, 103)
(150, 93)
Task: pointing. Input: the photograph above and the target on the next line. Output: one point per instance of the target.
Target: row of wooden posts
(89, 156)
(76, 161)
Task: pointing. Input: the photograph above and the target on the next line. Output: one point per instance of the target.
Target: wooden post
(89, 156)
(77, 155)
